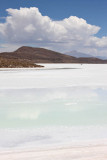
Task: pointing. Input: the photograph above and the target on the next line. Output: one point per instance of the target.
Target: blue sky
(93, 11)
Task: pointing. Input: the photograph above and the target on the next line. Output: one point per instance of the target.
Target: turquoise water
(53, 106)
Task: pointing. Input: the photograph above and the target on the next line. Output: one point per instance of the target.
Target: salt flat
(57, 112)
(53, 76)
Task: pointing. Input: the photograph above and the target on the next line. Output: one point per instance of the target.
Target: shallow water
(69, 106)
(62, 104)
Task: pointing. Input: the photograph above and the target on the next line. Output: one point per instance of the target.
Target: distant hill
(38, 55)
(41, 55)
(102, 57)
(84, 55)
(78, 54)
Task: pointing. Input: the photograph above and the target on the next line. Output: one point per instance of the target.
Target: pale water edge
(61, 105)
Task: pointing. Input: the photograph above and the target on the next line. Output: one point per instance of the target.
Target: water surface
(60, 104)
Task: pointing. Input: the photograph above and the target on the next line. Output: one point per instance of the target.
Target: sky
(60, 25)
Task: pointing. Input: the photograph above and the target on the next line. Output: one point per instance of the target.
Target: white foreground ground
(55, 76)
(80, 153)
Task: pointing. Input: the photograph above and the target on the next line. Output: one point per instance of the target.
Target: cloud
(28, 26)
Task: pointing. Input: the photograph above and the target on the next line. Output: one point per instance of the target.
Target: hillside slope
(41, 55)
(38, 55)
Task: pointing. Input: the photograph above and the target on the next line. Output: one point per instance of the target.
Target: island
(17, 63)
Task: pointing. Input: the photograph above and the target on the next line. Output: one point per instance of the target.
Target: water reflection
(56, 106)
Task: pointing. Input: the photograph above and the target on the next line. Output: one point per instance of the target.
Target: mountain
(102, 57)
(78, 54)
(38, 55)
(41, 55)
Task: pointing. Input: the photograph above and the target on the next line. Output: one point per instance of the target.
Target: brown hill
(38, 55)
(41, 55)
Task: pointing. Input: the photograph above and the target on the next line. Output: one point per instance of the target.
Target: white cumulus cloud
(29, 26)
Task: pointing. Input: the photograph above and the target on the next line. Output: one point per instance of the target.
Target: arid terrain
(41, 55)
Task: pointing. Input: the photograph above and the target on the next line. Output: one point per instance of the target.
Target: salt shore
(76, 153)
